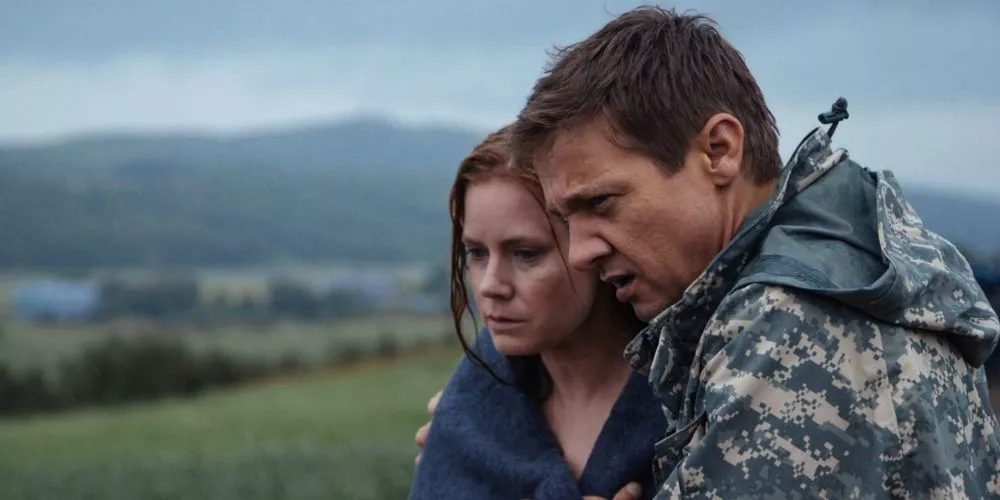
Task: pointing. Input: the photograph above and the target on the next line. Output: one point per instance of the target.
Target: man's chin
(646, 311)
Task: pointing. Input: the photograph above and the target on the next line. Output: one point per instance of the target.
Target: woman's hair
(490, 160)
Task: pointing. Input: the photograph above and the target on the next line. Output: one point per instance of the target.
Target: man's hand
(631, 491)
(422, 431)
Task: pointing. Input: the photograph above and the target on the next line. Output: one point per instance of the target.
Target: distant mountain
(973, 223)
(363, 144)
(354, 191)
(362, 190)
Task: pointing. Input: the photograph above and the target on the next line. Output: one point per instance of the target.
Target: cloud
(224, 92)
(944, 146)
(923, 97)
(94, 31)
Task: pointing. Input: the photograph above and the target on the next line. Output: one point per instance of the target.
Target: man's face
(648, 232)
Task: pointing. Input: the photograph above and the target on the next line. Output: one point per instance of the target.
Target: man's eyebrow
(576, 199)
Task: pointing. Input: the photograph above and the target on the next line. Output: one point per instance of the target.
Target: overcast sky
(922, 79)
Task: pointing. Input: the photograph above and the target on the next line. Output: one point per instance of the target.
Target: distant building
(234, 290)
(417, 303)
(56, 300)
(372, 287)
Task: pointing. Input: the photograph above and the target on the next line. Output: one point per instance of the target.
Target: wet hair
(490, 160)
(654, 77)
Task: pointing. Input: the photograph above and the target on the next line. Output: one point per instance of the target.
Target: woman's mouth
(498, 323)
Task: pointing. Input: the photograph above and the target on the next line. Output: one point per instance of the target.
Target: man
(808, 337)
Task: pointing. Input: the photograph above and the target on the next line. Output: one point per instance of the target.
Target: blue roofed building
(56, 300)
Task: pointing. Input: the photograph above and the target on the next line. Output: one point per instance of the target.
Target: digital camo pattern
(785, 386)
(919, 256)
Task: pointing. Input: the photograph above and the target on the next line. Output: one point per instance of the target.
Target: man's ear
(720, 142)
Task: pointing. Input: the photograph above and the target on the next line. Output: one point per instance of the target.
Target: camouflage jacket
(833, 349)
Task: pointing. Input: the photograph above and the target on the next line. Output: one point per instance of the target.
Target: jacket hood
(842, 231)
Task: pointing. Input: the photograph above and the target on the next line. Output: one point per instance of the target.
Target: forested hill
(354, 191)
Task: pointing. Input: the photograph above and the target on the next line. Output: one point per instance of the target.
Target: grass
(304, 473)
(24, 344)
(346, 435)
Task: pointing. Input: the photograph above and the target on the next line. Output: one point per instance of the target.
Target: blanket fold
(490, 441)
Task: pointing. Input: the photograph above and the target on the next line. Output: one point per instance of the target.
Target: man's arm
(797, 402)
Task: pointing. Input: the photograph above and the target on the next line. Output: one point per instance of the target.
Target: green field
(28, 345)
(340, 434)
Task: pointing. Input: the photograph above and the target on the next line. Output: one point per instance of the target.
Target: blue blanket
(490, 441)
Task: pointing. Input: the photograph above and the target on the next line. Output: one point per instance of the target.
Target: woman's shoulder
(484, 437)
(470, 369)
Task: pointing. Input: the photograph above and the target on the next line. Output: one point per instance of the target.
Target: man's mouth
(621, 282)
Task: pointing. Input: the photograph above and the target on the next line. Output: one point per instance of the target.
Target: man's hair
(655, 77)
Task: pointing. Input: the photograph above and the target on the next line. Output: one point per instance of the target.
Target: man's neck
(748, 197)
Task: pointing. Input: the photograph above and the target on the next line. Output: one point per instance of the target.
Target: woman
(543, 405)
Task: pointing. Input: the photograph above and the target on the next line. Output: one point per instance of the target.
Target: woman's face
(526, 294)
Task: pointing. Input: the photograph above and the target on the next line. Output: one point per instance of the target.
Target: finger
(421, 436)
(631, 491)
(433, 403)
(416, 461)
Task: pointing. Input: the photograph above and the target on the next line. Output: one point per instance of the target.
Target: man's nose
(586, 248)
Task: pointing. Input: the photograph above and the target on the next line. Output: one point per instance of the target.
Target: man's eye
(598, 201)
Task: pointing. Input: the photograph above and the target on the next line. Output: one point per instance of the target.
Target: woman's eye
(475, 253)
(526, 255)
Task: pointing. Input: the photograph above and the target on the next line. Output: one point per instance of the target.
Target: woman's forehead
(500, 208)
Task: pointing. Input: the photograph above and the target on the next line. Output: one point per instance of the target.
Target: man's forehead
(568, 186)
(572, 164)
(558, 180)
(564, 160)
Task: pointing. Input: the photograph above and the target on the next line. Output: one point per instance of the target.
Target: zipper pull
(837, 113)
